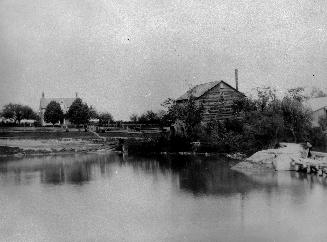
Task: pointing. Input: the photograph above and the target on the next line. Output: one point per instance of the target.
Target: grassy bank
(46, 135)
(57, 133)
(22, 147)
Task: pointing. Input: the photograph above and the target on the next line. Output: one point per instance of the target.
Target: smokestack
(236, 79)
(42, 94)
(76, 94)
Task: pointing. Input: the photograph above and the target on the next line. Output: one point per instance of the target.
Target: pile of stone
(274, 159)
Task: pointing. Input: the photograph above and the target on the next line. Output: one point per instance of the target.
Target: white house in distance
(319, 109)
(65, 103)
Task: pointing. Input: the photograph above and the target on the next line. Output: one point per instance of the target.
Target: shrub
(318, 137)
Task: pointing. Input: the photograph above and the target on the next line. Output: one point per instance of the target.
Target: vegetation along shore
(252, 124)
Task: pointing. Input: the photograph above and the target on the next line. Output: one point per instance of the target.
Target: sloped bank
(279, 159)
(20, 147)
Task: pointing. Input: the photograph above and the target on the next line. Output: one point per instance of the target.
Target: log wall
(217, 102)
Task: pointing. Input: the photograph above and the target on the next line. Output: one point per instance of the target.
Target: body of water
(92, 197)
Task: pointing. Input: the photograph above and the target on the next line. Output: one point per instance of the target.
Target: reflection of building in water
(53, 175)
(77, 173)
(76, 169)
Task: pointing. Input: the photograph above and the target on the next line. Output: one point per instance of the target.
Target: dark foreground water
(90, 197)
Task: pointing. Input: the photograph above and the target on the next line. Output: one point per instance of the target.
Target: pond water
(92, 197)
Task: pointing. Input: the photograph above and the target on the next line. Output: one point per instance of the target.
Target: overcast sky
(128, 56)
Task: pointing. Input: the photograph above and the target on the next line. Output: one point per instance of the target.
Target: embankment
(21, 147)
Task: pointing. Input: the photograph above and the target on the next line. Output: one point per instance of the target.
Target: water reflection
(75, 174)
(196, 175)
(89, 197)
(213, 176)
(56, 170)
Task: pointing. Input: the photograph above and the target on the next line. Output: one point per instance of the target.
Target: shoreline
(38, 147)
(26, 147)
(23, 153)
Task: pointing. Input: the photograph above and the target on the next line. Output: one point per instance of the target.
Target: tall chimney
(76, 94)
(42, 94)
(236, 79)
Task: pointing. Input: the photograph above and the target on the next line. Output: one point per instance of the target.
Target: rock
(278, 159)
(283, 163)
(247, 165)
(262, 157)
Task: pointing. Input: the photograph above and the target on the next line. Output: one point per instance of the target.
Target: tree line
(18, 112)
(79, 113)
(257, 122)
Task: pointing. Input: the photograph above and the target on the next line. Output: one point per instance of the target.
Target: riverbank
(34, 141)
(59, 133)
(22, 147)
(279, 159)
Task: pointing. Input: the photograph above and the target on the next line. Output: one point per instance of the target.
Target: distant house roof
(198, 90)
(317, 103)
(66, 102)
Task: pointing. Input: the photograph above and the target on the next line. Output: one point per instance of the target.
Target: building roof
(198, 90)
(67, 102)
(317, 103)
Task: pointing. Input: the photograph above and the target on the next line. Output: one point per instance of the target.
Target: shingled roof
(317, 103)
(198, 90)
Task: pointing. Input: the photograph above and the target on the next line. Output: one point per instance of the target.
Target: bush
(318, 137)
(323, 123)
(155, 145)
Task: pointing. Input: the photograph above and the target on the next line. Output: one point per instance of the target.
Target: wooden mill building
(216, 97)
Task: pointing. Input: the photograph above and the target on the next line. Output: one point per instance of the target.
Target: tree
(267, 126)
(297, 118)
(78, 112)
(93, 112)
(11, 111)
(243, 105)
(189, 112)
(323, 123)
(134, 118)
(174, 111)
(105, 119)
(53, 113)
(28, 113)
(265, 96)
(18, 112)
(297, 94)
(161, 114)
(149, 117)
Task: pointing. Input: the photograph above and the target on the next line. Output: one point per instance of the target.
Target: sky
(128, 56)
